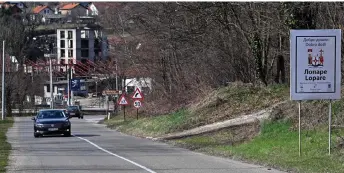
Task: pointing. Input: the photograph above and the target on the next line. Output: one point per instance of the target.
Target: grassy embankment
(273, 143)
(5, 146)
(222, 104)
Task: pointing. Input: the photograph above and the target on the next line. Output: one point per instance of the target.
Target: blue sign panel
(75, 85)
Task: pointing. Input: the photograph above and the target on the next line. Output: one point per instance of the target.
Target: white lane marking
(113, 154)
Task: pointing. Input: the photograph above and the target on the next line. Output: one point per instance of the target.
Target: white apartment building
(75, 44)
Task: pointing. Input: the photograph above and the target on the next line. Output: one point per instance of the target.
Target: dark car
(75, 111)
(51, 121)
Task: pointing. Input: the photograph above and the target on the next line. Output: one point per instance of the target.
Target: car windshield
(50, 114)
(72, 108)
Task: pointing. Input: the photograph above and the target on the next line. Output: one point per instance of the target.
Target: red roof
(69, 6)
(38, 9)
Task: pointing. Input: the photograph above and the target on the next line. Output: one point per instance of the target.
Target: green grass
(4, 145)
(149, 126)
(277, 146)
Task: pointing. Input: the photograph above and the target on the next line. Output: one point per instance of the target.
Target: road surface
(96, 149)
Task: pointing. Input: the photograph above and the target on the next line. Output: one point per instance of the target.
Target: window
(70, 53)
(63, 53)
(84, 34)
(84, 43)
(48, 88)
(62, 61)
(70, 61)
(62, 44)
(70, 43)
(62, 34)
(84, 53)
(70, 34)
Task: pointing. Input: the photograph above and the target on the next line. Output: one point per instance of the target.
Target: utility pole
(68, 87)
(3, 81)
(71, 92)
(117, 95)
(51, 85)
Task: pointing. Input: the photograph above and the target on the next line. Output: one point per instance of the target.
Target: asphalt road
(96, 149)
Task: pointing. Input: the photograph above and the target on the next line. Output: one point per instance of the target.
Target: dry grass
(313, 113)
(233, 101)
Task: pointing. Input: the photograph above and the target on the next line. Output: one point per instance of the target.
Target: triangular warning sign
(137, 94)
(123, 101)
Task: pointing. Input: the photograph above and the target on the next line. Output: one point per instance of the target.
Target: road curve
(96, 149)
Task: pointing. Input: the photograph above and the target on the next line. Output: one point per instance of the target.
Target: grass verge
(222, 104)
(277, 146)
(149, 126)
(5, 146)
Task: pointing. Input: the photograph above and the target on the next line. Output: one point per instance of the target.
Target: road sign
(110, 92)
(137, 104)
(75, 85)
(122, 100)
(315, 64)
(137, 94)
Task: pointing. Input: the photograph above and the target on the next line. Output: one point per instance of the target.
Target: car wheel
(67, 134)
(35, 135)
(78, 117)
(82, 117)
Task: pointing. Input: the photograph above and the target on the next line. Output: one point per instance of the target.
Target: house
(40, 12)
(91, 9)
(12, 7)
(20, 5)
(73, 9)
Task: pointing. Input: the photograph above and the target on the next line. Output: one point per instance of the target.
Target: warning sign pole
(137, 114)
(124, 112)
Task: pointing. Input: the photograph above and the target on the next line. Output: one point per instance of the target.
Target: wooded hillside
(192, 46)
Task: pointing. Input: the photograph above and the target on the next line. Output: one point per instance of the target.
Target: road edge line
(116, 155)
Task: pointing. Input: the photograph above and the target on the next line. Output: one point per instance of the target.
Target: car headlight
(67, 123)
(39, 125)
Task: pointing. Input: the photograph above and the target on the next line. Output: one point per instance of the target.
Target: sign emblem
(52, 125)
(315, 61)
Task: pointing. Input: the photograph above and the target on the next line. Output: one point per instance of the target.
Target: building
(80, 44)
(41, 12)
(12, 7)
(144, 84)
(73, 9)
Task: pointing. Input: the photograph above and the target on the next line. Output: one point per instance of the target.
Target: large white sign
(315, 68)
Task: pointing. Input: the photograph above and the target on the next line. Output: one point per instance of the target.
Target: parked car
(51, 121)
(75, 111)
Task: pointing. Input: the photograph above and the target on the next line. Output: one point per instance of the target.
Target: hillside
(273, 143)
(221, 104)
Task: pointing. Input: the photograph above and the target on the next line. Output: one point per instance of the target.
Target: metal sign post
(300, 128)
(124, 112)
(137, 105)
(329, 126)
(3, 80)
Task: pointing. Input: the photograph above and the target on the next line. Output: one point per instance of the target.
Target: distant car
(51, 121)
(98, 94)
(75, 111)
